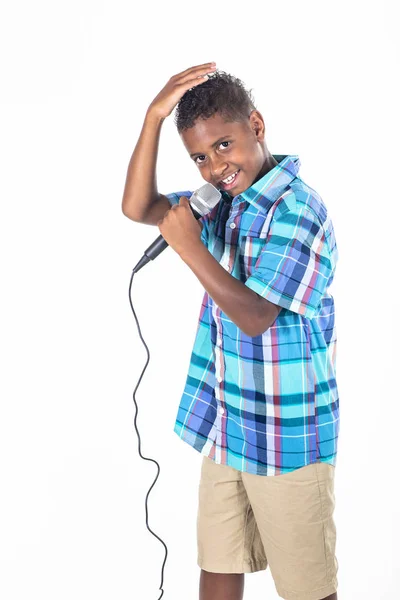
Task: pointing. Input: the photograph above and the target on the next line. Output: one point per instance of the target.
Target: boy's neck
(269, 164)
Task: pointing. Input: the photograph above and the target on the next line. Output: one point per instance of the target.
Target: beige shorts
(246, 522)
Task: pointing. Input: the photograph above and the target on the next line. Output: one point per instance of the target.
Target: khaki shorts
(246, 522)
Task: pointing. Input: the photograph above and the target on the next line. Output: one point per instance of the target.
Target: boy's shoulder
(302, 198)
(173, 197)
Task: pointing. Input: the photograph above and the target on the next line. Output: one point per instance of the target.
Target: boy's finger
(197, 67)
(193, 73)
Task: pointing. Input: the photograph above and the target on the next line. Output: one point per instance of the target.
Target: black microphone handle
(158, 246)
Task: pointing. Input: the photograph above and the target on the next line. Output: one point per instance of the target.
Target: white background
(77, 78)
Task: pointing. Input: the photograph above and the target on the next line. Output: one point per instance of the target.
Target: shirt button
(232, 225)
(221, 410)
(219, 379)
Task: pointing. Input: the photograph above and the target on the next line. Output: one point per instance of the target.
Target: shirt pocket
(250, 248)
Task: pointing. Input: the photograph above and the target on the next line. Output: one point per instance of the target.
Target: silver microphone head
(205, 198)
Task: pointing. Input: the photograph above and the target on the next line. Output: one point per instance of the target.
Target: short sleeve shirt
(267, 404)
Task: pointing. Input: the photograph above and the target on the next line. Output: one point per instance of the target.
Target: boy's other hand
(165, 102)
(180, 228)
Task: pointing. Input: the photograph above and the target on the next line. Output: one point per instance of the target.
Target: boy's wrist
(153, 117)
(193, 252)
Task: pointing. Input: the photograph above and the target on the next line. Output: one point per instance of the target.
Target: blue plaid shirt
(267, 404)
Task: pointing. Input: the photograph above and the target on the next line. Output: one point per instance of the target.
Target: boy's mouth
(230, 181)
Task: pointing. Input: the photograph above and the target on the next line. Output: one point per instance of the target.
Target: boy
(260, 401)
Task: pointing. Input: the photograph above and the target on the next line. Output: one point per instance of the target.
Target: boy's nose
(219, 171)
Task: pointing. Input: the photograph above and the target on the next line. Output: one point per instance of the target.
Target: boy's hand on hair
(180, 228)
(165, 102)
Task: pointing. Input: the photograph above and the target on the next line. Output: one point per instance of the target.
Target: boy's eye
(202, 157)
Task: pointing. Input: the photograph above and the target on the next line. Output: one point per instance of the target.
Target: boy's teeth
(229, 179)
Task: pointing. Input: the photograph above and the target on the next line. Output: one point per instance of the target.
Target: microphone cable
(137, 431)
(204, 200)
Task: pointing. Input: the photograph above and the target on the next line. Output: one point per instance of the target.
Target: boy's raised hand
(165, 102)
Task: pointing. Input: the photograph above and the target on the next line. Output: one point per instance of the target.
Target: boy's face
(220, 149)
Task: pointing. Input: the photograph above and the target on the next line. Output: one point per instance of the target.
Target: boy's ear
(257, 124)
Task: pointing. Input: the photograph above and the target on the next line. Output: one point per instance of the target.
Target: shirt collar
(264, 192)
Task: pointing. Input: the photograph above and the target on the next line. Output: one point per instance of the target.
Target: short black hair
(222, 93)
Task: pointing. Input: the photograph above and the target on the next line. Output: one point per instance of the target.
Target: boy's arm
(252, 313)
(141, 201)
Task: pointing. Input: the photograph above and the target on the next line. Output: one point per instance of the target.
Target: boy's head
(224, 133)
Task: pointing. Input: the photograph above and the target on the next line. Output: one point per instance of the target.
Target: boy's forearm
(251, 313)
(141, 182)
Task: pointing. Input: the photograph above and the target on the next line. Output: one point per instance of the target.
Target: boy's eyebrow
(212, 145)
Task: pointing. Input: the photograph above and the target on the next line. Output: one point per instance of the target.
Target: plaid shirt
(267, 404)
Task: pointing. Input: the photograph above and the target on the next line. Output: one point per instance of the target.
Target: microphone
(202, 201)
